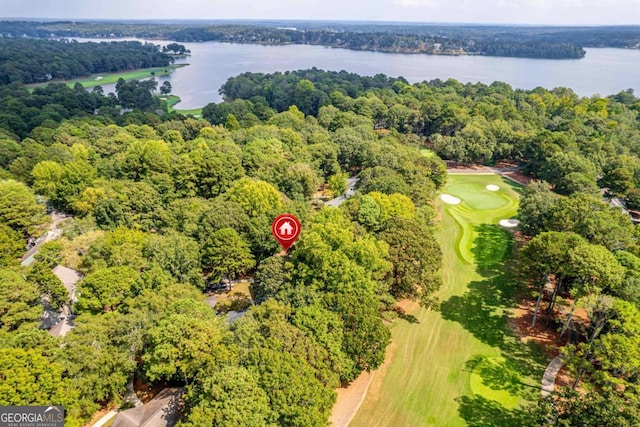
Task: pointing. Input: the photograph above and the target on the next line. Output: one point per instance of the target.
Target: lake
(603, 71)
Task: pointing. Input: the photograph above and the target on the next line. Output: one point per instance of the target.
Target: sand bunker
(449, 199)
(509, 223)
(492, 187)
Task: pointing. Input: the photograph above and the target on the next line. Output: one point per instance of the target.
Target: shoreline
(110, 78)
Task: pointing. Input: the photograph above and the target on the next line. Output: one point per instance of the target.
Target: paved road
(52, 234)
(351, 190)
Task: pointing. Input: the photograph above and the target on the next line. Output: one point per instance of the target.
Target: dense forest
(528, 42)
(575, 144)
(161, 205)
(37, 61)
(22, 111)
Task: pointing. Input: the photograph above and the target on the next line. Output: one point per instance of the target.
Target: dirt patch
(408, 305)
(350, 398)
(563, 379)
(375, 388)
(544, 336)
(507, 170)
(145, 391)
(453, 166)
(518, 177)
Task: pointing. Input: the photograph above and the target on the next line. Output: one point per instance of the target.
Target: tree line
(22, 111)
(575, 144)
(36, 61)
(529, 42)
(583, 266)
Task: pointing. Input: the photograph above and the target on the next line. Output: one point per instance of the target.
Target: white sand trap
(492, 187)
(449, 199)
(509, 223)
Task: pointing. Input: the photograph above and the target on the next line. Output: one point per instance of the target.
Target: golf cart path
(550, 374)
(349, 400)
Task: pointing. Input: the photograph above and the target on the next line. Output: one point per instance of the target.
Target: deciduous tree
(226, 253)
(19, 208)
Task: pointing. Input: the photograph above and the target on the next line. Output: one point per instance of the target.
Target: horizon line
(311, 20)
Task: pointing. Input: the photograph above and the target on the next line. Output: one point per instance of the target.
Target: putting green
(479, 206)
(460, 365)
(478, 197)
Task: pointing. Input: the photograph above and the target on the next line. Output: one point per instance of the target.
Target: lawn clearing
(237, 299)
(108, 78)
(172, 100)
(461, 365)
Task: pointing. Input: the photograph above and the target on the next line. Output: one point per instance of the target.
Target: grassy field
(172, 100)
(107, 78)
(461, 365)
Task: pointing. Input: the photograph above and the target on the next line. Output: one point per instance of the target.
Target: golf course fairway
(460, 365)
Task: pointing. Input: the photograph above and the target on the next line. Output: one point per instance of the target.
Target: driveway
(351, 190)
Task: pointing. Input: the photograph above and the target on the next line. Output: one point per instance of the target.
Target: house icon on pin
(286, 229)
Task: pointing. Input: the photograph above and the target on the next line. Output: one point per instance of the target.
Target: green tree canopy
(11, 246)
(257, 198)
(416, 258)
(105, 289)
(20, 305)
(188, 340)
(19, 209)
(226, 253)
(28, 378)
(230, 397)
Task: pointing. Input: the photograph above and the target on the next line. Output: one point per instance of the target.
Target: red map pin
(286, 229)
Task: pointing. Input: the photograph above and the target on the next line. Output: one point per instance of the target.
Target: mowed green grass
(460, 365)
(107, 78)
(172, 100)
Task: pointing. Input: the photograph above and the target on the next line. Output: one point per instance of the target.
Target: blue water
(603, 71)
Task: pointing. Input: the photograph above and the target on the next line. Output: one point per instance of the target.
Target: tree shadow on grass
(476, 312)
(480, 412)
(409, 318)
(402, 314)
(492, 245)
(483, 311)
(499, 374)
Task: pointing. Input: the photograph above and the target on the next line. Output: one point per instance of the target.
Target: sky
(545, 12)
